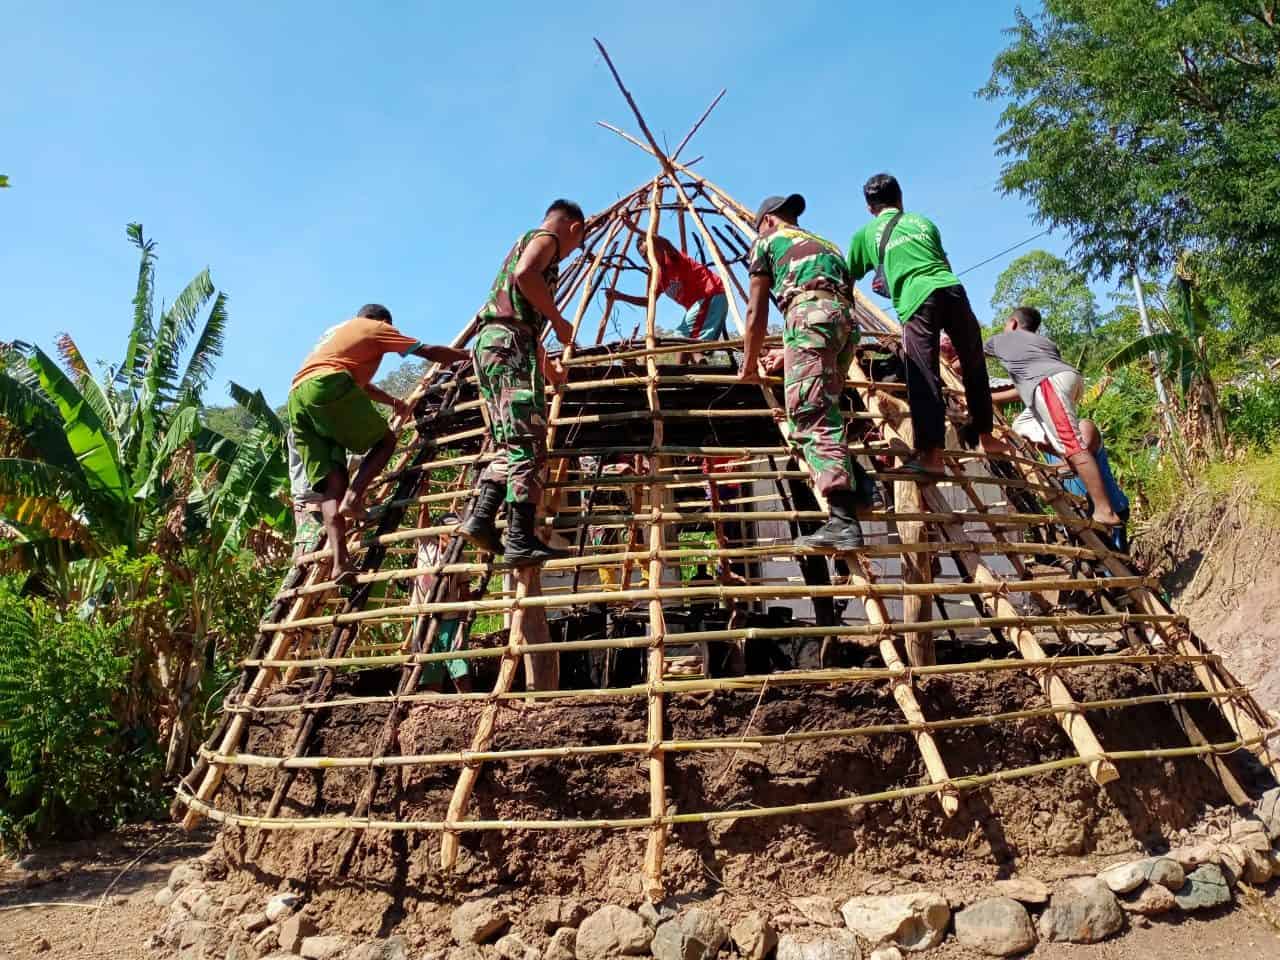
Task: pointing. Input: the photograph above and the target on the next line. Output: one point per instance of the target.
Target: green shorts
(433, 672)
(330, 417)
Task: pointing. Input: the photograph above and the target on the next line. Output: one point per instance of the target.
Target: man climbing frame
(510, 365)
(687, 282)
(809, 279)
(906, 251)
(1050, 388)
(331, 414)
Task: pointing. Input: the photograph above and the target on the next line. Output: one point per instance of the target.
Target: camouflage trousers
(506, 364)
(817, 347)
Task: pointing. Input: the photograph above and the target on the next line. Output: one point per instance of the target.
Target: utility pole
(1161, 392)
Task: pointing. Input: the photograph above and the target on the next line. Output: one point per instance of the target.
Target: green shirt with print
(915, 264)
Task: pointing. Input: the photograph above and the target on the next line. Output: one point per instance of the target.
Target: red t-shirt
(684, 279)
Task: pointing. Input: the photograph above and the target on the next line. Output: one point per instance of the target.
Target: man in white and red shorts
(1050, 389)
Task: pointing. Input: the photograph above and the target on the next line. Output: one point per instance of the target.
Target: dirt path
(80, 873)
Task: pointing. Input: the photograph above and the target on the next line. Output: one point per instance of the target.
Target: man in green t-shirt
(808, 277)
(929, 299)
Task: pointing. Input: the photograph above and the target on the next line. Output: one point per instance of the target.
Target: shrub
(67, 766)
(1253, 413)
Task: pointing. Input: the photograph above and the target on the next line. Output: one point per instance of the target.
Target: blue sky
(317, 156)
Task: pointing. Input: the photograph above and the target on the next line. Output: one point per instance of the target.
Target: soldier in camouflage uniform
(810, 280)
(510, 366)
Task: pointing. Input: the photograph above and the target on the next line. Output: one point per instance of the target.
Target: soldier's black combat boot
(478, 528)
(842, 533)
(523, 548)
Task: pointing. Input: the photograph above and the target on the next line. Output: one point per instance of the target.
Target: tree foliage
(1147, 129)
(1047, 282)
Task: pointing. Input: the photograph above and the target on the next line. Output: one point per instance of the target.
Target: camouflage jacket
(799, 262)
(506, 302)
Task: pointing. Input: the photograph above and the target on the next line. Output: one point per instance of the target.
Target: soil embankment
(1218, 556)
(1043, 823)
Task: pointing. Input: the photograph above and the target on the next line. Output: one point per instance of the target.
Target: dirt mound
(1216, 556)
(1001, 827)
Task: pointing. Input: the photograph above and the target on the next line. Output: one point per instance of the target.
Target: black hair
(374, 311)
(570, 209)
(883, 190)
(1028, 318)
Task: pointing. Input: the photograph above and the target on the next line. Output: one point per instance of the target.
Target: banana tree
(1183, 360)
(121, 464)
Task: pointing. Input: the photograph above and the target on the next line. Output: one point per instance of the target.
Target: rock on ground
(886, 953)
(184, 875)
(819, 910)
(556, 912)
(819, 945)
(1081, 911)
(1150, 901)
(281, 905)
(694, 934)
(392, 948)
(913, 921)
(478, 921)
(1124, 877)
(563, 945)
(323, 948)
(1166, 871)
(610, 931)
(511, 947)
(1023, 889)
(1206, 887)
(1267, 809)
(999, 927)
(294, 930)
(754, 936)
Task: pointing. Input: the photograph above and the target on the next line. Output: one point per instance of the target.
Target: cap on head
(374, 311)
(790, 206)
(449, 518)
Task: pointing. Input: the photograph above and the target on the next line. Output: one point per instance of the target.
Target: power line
(997, 256)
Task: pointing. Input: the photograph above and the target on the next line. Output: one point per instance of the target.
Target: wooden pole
(488, 720)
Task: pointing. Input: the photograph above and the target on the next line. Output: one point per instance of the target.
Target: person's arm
(1005, 395)
(378, 395)
(628, 298)
(756, 326)
(445, 355)
(530, 281)
(859, 266)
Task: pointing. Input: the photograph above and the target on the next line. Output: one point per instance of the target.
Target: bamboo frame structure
(676, 484)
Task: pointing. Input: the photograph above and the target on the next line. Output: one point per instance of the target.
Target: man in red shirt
(331, 414)
(688, 283)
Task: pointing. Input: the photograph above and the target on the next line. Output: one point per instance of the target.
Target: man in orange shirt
(331, 414)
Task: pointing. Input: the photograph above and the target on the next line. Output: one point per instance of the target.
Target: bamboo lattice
(681, 475)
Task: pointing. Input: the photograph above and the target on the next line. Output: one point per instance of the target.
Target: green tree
(119, 496)
(1146, 129)
(1183, 355)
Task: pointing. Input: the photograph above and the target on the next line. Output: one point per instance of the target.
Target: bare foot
(1108, 518)
(991, 445)
(353, 509)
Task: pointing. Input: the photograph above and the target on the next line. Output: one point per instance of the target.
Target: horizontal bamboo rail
(955, 784)
(744, 633)
(723, 593)
(749, 742)
(749, 683)
(612, 554)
